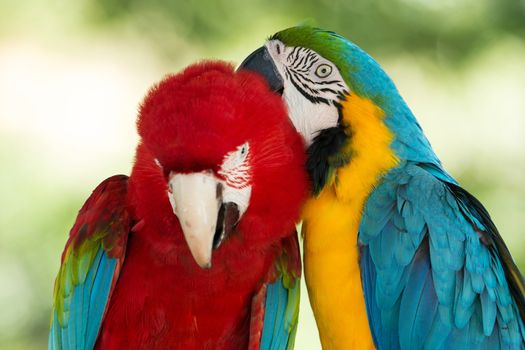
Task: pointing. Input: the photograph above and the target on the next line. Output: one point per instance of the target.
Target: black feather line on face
(325, 155)
(311, 98)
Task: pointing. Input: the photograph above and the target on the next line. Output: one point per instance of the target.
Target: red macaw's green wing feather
(91, 263)
(275, 308)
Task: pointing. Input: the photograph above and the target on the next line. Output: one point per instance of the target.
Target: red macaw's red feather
(163, 299)
(104, 214)
(257, 319)
(103, 222)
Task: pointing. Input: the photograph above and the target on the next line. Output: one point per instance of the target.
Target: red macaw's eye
(235, 169)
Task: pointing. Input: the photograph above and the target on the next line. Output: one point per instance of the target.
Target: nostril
(278, 48)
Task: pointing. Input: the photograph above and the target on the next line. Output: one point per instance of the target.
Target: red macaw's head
(232, 162)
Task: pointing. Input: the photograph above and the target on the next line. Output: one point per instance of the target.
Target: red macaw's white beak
(196, 200)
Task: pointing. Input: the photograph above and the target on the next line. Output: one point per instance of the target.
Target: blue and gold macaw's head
(340, 100)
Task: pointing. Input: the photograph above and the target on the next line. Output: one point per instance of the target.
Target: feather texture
(90, 266)
(160, 297)
(435, 272)
(281, 307)
(457, 292)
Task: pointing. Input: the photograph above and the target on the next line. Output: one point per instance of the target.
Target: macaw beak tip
(204, 219)
(203, 264)
(194, 201)
(261, 62)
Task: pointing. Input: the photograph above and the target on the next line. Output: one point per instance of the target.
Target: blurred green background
(72, 74)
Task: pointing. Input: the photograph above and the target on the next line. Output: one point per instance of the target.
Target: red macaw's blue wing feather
(436, 273)
(275, 308)
(91, 263)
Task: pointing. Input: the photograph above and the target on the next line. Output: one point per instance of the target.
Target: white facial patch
(236, 171)
(313, 86)
(307, 117)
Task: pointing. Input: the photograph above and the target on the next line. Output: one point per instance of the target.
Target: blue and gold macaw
(397, 254)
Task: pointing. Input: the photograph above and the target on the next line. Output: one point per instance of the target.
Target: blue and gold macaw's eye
(323, 70)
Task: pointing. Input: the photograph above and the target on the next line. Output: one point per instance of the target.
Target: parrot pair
(219, 171)
(396, 254)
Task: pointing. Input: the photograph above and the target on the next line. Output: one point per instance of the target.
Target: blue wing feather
(270, 315)
(418, 304)
(435, 272)
(90, 265)
(281, 303)
(280, 313)
(99, 298)
(86, 308)
(368, 277)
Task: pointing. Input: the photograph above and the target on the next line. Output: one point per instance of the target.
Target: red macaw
(219, 169)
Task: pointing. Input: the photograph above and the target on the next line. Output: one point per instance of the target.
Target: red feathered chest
(164, 300)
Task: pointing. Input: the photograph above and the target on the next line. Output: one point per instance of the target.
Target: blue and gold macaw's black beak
(261, 62)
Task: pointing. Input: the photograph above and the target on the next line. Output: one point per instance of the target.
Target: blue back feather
(428, 278)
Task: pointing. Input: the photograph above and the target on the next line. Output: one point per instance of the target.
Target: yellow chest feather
(330, 228)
